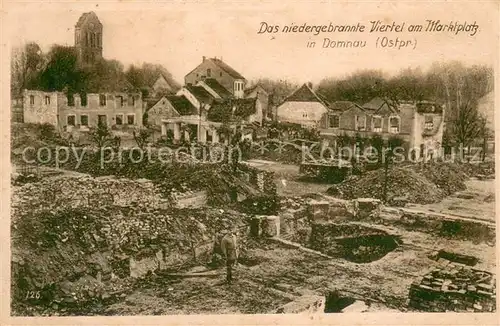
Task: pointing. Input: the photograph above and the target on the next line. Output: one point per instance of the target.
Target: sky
(177, 35)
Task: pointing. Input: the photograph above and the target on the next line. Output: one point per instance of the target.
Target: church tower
(88, 39)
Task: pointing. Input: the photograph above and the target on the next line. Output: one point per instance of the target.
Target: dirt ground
(284, 274)
(281, 274)
(477, 201)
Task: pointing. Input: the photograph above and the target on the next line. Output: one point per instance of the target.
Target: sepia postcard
(249, 162)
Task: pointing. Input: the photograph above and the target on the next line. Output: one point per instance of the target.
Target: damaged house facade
(118, 110)
(419, 124)
(213, 95)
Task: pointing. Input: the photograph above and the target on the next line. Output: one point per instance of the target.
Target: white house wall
(293, 112)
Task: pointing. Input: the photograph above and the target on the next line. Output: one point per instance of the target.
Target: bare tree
(467, 124)
(26, 61)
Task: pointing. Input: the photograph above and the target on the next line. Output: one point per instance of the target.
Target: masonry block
(368, 208)
(270, 226)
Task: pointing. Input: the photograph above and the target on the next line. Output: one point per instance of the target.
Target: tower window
(32, 99)
(209, 72)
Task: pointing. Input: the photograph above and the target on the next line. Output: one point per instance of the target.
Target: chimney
(204, 58)
(310, 85)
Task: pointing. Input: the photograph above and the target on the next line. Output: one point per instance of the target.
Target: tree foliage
(102, 135)
(57, 70)
(441, 82)
(143, 77)
(277, 89)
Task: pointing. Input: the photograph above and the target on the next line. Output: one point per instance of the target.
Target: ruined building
(80, 112)
(419, 124)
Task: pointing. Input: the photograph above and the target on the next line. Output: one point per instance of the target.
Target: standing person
(230, 251)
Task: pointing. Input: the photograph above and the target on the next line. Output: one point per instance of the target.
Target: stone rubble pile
(86, 191)
(454, 287)
(59, 237)
(421, 184)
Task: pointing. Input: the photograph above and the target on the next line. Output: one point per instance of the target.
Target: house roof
(228, 69)
(378, 103)
(182, 105)
(251, 89)
(84, 17)
(305, 94)
(200, 93)
(217, 87)
(222, 111)
(343, 106)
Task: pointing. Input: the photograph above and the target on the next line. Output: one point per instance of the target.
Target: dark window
(119, 100)
(130, 119)
(429, 122)
(360, 122)
(209, 72)
(221, 73)
(102, 100)
(394, 124)
(71, 100)
(334, 121)
(133, 100)
(71, 120)
(377, 124)
(47, 100)
(119, 119)
(102, 120)
(32, 99)
(84, 99)
(84, 120)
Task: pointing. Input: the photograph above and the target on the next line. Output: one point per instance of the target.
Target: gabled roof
(342, 106)
(182, 105)
(305, 94)
(251, 89)
(217, 87)
(377, 104)
(228, 69)
(201, 94)
(84, 17)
